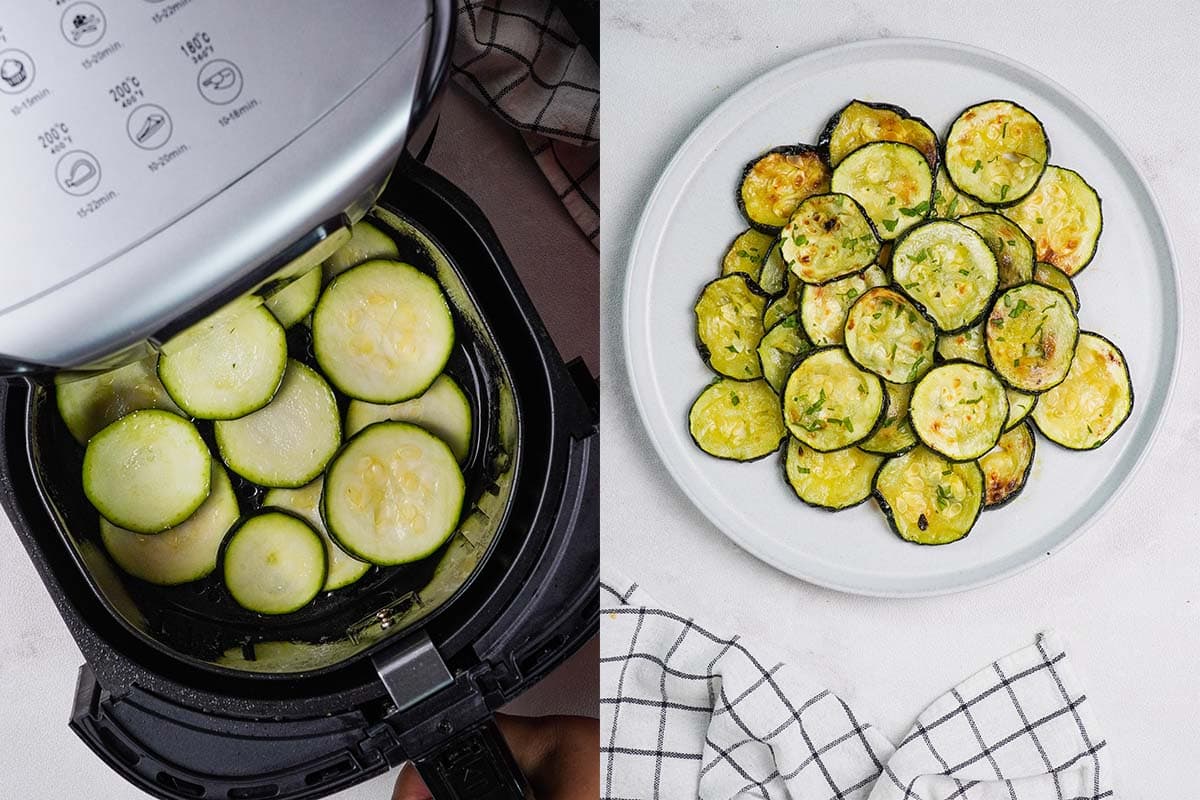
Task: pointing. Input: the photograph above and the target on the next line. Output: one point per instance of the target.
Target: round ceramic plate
(1129, 293)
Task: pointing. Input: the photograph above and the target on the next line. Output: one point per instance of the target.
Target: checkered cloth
(689, 713)
(522, 59)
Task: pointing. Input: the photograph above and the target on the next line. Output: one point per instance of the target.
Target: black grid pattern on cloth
(688, 713)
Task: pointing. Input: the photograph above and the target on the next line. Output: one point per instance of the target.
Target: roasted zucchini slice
(1086, 409)
(958, 410)
(1062, 215)
(784, 306)
(927, 499)
(965, 345)
(996, 151)
(1030, 335)
(891, 181)
(950, 203)
(859, 123)
(827, 238)
(747, 253)
(830, 403)
(729, 326)
(1055, 278)
(886, 334)
(1006, 466)
(831, 481)
(779, 349)
(895, 434)
(775, 278)
(823, 309)
(1020, 406)
(737, 420)
(774, 184)
(1013, 249)
(948, 270)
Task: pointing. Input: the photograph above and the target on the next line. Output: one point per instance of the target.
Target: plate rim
(922, 45)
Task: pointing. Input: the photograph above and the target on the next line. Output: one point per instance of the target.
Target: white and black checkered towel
(522, 59)
(686, 713)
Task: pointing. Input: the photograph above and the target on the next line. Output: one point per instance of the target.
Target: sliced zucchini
(737, 420)
(92, 402)
(274, 563)
(443, 410)
(784, 306)
(1086, 409)
(779, 349)
(774, 184)
(288, 442)
(887, 335)
(830, 480)
(1030, 335)
(830, 403)
(729, 326)
(148, 471)
(1013, 249)
(382, 331)
(823, 309)
(967, 345)
(1006, 466)
(996, 151)
(859, 123)
(747, 253)
(775, 278)
(296, 301)
(1062, 216)
(305, 502)
(393, 495)
(367, 243)
(927, 499)
(1020, 405)
(950, 203)
(891, 181)
(958, 410)
(230, 373)
(895, 435)
(184, 553)
(949, 271)
(1055, 278)
(827, 238)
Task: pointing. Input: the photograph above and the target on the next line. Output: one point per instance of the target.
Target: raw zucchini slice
(1062, 215)
(859, 123)
(366, 244)
(779, 349)
(950, 203)
(148, 471)
(1030, 334)
(185, 553)
(775, 278)
(782, 307)
(891, 181)
(927, 499)
(382, 331)
(1020, 405)
(830, 480)
(737, 420)
(296, 301)
(1013, 249)
(958, 410)
(1055, 278)
(274, 563)
(830, 403)
(393, 495)
(774, 184)
(305, 502)
(949, 271)
(92, 402)
(965, 345)
(231, 372)
(729, 326)
(747, 253)
(895, 434)
(828, 237)
(288, 442)
(887, 335)
(443, 410)
(823, 309)
(996, 151)
(1086, 409)
(1006, 466)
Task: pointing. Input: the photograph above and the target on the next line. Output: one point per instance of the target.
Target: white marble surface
(1125, 595)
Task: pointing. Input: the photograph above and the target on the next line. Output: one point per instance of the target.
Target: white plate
(1129, 293)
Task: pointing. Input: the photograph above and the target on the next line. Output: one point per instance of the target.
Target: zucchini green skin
(756, 404)
(895, 435)
(891, 217)
(1001, 489)
(879, 340)
(1068, 256)
(990, 405)
(1008, 326)
(909, 273)
(1012, 246)
(865, 399)
(715, 336)
(1040, 413)
(961, 174)
(828, 237)
(968, 473)
(769, 207)
(852, 471)
(899, 129)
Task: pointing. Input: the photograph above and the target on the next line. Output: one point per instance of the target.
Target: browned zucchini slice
(958, 410)
(783, 306)
(927, 499)
(774, 184)
(832, 481)
(965, 345)
(737, 420)
(950, 203)
(886, 334)
(1020, 406)
(948, 270)
(1013, 249)
(1062, 215)
(859, 123)
(1055, 278)
(747, 253)
(779, 349)
(1006, 466)
(729, 326)
(1030, 334)
(823, 309)
(1085, 410)
(827, 238)
(830, 403)
(895, 434)
(891, 181)
(996, 151)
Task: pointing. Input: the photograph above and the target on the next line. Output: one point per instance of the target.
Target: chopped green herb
(1004, 131)
(800, 240)
(1020, 308)
(916, 211)
(731, 348)
(978, 166)
(815, 407)
(921, 255)
(733, 398)
(1004, 191)
(970, 402)
(803, 470)
(743, 254)
(890, 224)
(964, 272)
(953, 205)
(944, 497)
(1040, 221)
(789, 322)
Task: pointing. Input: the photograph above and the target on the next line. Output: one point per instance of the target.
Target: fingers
(409, 785)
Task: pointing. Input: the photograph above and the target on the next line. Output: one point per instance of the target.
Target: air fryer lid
(165, 152)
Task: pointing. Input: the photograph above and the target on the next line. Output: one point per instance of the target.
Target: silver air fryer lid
(162, 157)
